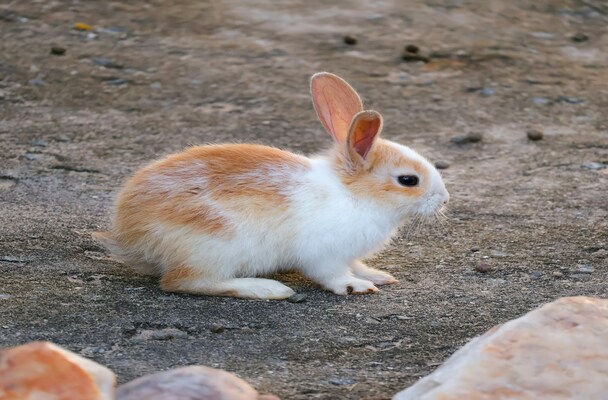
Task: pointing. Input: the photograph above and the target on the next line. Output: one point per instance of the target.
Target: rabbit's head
(378, 170)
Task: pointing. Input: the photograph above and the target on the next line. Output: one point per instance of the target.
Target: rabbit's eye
(408, 180)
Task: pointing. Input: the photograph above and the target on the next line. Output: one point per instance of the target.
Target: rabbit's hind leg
(182, 279)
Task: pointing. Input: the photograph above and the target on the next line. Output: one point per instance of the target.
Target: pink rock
(190, 383)
(558, 351)
(44, 371)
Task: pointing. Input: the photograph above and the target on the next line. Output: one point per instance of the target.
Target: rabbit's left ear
(364, 130)
(335, 102)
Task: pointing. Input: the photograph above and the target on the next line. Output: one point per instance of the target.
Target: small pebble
(37, 82)
(486, 92)
(579, 37)
(104, 62)
(442, 164)
(117, 82)
(412, 48)
(593, 165)
(601, 253)
(298, 298)
(159, 334)
(498, 253)
(31, 156)
(475, 249)
(58, 51)
(40, 143)
(350, 40)
(81, 26)
(535, 135)
(543, 35)
(466, 139)
(5, 296)
(540, 100)
(483, 268)
(558, 274)
(585, 268)
(536, 274)
(569, 100)
(341, 381)
(413, 57)
(217, 328)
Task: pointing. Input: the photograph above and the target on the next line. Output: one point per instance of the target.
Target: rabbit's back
(205, 193)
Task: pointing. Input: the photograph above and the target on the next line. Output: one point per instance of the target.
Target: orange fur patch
(361, 179)
(239, 178)
(175, 276)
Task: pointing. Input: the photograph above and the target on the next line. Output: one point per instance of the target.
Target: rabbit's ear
(335, 102)
(363, 132)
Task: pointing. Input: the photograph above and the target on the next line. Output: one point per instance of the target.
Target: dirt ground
(156, 76)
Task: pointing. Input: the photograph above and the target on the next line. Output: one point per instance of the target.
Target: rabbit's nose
(446, 197)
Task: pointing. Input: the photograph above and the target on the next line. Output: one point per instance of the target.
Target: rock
(298, 298)
(117, 82)
(62, 138)
(486, 92)
(483, 268)
(217, 328)
(413, 57)
(498, 254)
(350, 40)
(558, 274)
(341, 381)
(106, 63)
(466, 139)
(558, 351)
(58, 51)
(569, 100)
(412, 48)
(593, 165)
(601, 253)
(475, 249)
(442, 164)
(7, 182)
(40, 143)
(42, 370)
(543, 35)
(81, 26)
(37, 82)
(159, 334)
(535, 135)
(189, 383)
(585, 268)
(5, 296)
(540, 100)
(579, 37)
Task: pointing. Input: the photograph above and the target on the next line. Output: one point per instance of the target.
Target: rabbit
(211, 219)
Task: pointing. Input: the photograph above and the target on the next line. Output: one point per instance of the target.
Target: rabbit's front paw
(378, 277)
(352, 285)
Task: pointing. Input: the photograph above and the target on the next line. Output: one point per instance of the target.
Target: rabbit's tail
(120, 254)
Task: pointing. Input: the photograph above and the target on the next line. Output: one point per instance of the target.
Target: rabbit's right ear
(335, 102)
